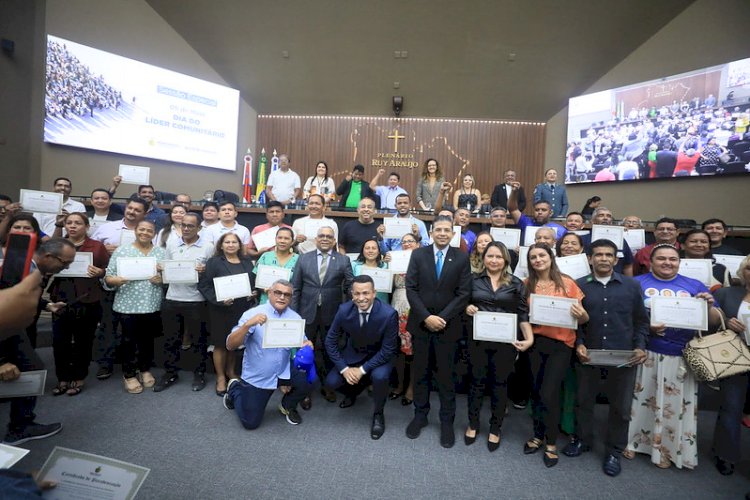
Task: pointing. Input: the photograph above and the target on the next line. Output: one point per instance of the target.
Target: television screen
(102, 101)
(689, 125)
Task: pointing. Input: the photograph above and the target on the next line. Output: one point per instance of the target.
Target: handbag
(717, 356)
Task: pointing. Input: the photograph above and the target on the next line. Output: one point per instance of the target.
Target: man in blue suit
(552, 193)
(364, 357)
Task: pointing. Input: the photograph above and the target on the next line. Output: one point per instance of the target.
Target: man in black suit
(438, 285)
(369, 329)
(501, 193)
(321, 279)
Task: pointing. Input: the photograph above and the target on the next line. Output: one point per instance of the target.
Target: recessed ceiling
(504, 59)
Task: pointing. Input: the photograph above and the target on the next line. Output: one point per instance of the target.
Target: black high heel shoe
(494, 431)
(406, 401)
(395, 395)
(469, 440)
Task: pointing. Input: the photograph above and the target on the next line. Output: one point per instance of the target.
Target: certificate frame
(609, 357)
(267, 275)
(699, 269)
(240, 283)
(10, 455)
(396, 227)
(51, 471)
(289, 327)
(529, 235)
(540, 307)
(75, 270)
(380, 276)
(137, 268)
(616, 234)
(636, 238)
(261, 239)
(575, 266)
(661, 307)
(731, 262)
(169, 266)
(509, 237)
(134, 174)
(42, 202)
(456, 240)
(29, 383)
(507, 323)
(400, 256)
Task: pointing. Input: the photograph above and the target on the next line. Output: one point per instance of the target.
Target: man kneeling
(264, 370)
(370, 330)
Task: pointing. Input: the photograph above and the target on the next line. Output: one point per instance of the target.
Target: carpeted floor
(196, 448)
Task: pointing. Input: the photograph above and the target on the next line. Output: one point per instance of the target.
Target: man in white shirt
(185, 307)
(62, 185)
(227, 224)
(284, 184)
(306, 228)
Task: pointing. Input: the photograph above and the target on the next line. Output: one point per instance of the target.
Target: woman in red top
(550, 355)
(73, 326)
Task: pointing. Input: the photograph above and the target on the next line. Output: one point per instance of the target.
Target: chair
(163, 197)
(735, 167)
(221, 196)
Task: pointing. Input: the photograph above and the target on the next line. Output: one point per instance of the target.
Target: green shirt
(269, 259)
(355, 194)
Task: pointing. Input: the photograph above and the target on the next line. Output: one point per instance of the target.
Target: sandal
(532, 446)
(132, 385)
(665, 463)
(60, 388)
(629, 454)
(550, 457)
(74, 388)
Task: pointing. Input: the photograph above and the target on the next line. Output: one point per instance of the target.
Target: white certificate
(746, 333)
(698, 269)
(529, 235)
(267, 275)
(132, 174)
(232, 287)
(581, 232)
(609, 357)
(456, 240)
(30, 383)
(285, 333)
(399, 261)
(178, 271)
(9, 455)
(42, 202)
(495, 327)
(86, 476)
(575, 266)
(136, 268)
(613, 233)
(731, 262)
(396, 227)
(636, 238)
(680, 312)
(511, 238)
(352, 256)
(383, 278)
(312, 226)
(266, 238)
(523, 258)
(127, 237)
(552, 311)
(80, 266)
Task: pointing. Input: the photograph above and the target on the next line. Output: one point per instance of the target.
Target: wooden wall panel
(483, 148)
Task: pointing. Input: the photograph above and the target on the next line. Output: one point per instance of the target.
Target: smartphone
(19, 250)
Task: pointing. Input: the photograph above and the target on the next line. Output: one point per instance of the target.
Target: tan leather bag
(717, 356)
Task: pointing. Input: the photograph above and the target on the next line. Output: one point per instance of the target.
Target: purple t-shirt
(674, 339)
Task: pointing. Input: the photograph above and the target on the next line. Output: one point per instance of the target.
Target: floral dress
(401, 305)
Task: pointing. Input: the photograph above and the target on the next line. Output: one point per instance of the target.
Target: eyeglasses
(408, 241)
(281, 295)
(65, 263)
(188, 226)
(325, 236)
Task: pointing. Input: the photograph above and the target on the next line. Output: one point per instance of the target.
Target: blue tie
(439, 264)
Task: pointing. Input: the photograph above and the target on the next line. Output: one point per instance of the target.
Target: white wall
(132, 29)
(707, 33)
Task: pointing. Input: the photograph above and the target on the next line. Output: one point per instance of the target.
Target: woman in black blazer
(735, 302)
(223, 316)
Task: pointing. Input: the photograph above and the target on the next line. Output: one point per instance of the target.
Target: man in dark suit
(501, 193)
(369, 329)
(321, 279)
(438, 285)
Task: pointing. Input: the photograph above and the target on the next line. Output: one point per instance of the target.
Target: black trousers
(138, 332)
(491, 364)
(178, 317)
(378, 377)
(618, 387)
(316, 333)
(108, 336)
(72, 340)
(549, 360)
(432, 351)
(520, 380)
(17, 350)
